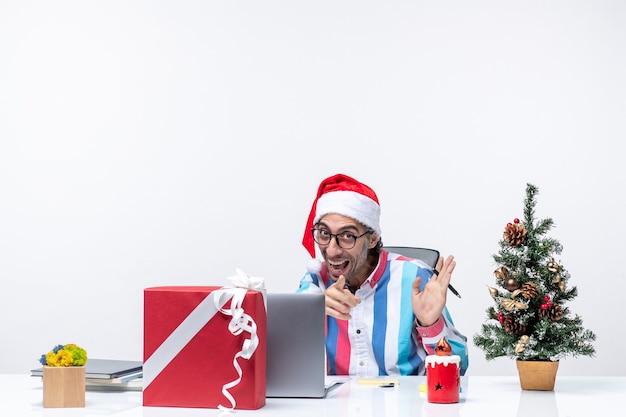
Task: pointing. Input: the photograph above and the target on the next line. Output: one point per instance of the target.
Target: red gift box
(189, 350)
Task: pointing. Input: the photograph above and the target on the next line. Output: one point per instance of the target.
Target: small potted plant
(530, 321)
(64, 376)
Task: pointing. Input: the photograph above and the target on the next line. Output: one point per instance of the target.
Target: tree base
(537, 375)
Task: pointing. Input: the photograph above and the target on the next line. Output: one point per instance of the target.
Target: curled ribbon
(240, 322)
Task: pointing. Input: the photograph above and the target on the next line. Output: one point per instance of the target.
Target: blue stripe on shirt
(406, 346)
(379, 330)
(308, 280)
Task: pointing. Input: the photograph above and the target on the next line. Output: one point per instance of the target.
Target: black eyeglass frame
(336, 236)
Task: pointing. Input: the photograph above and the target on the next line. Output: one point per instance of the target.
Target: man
(384, 312)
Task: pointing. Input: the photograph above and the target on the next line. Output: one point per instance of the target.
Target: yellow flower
(61, 358)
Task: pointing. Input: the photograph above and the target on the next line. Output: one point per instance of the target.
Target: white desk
(21, 395)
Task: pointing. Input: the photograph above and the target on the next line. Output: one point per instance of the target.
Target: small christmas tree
(530, 320)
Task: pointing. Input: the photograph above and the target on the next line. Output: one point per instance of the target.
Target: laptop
(296, 355)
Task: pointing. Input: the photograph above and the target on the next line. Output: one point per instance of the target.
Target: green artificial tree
(530, 320)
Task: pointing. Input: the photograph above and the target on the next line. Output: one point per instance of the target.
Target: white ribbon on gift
(240, 322)
(178, 339)
(198, 318)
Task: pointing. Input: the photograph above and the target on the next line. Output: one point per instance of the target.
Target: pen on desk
(450, 287)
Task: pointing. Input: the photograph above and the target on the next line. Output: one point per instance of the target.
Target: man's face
(340, 261)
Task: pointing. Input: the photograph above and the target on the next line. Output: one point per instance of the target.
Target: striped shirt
(383, 337)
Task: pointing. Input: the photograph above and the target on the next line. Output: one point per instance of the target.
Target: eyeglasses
(345, 240)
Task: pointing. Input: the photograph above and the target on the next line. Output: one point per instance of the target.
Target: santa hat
(341, 194)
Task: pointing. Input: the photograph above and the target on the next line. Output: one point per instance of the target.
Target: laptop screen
(296, 358)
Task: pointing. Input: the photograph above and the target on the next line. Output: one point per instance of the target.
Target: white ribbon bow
(243, 280)
(240, 322)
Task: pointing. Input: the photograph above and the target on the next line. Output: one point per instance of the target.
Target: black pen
(455, 292)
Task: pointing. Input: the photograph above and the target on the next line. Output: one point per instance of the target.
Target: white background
(147, 143)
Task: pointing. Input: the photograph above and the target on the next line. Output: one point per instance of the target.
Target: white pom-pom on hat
(314, 266)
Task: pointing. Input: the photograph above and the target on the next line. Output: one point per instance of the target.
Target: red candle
(443, 378)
